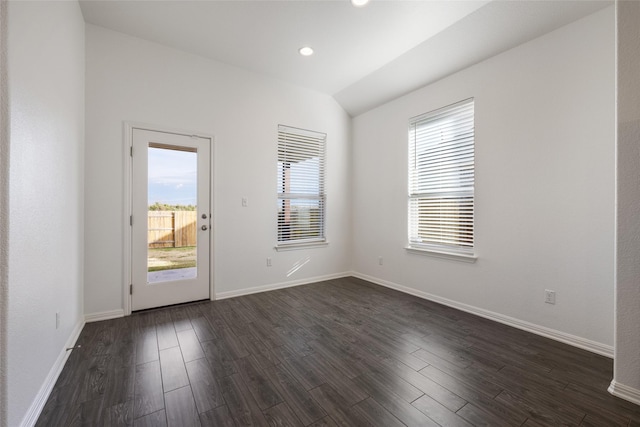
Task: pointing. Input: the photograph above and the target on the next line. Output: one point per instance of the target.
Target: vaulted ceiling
(363, 56)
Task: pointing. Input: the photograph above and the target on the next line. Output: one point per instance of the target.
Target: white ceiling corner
(363, 56)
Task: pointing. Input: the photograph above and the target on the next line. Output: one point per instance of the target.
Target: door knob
(204, 228)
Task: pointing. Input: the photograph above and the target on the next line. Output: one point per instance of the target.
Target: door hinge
(130, 219)
(131, 151)
(131, 289)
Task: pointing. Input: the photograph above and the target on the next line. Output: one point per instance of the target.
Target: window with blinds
(301, 197)
(441, 179)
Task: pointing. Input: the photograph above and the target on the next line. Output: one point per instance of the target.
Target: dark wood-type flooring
(343, 352)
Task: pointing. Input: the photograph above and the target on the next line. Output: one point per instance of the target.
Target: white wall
(4, 210)
(544, 184)
(129, 79)
(627, 363)
(45, 265)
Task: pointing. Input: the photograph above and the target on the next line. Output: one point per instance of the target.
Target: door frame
(127, 237)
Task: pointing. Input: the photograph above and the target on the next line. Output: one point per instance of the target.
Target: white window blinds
(441, 179)
(301, 197)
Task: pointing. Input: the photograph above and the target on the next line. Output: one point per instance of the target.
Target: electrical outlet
(379, 260)
(245, 202)
(549, 296)
(268, 262)
(57, 319)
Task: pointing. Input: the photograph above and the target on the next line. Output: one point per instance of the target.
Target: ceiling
(363, 56)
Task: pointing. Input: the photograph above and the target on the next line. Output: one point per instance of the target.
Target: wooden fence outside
(172, 229)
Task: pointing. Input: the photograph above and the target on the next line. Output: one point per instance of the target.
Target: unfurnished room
(319, 213)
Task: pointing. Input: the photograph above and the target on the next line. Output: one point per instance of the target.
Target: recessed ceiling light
(359, 3)
(305, 51)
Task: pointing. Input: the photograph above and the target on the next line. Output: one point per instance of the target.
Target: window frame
(291, 141)
(451, 190)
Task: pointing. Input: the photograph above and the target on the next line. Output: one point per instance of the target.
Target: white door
(171, 210)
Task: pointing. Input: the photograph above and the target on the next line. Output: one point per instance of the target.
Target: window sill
(298, 246)
(443, 254)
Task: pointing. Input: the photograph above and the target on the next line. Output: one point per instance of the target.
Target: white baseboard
(625, 392)
(272, 287)
(40, 400)
(585, 344)
(103, 315)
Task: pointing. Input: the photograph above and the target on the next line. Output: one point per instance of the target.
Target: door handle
(204, 228)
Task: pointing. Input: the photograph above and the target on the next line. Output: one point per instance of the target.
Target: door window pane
(172, 215)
